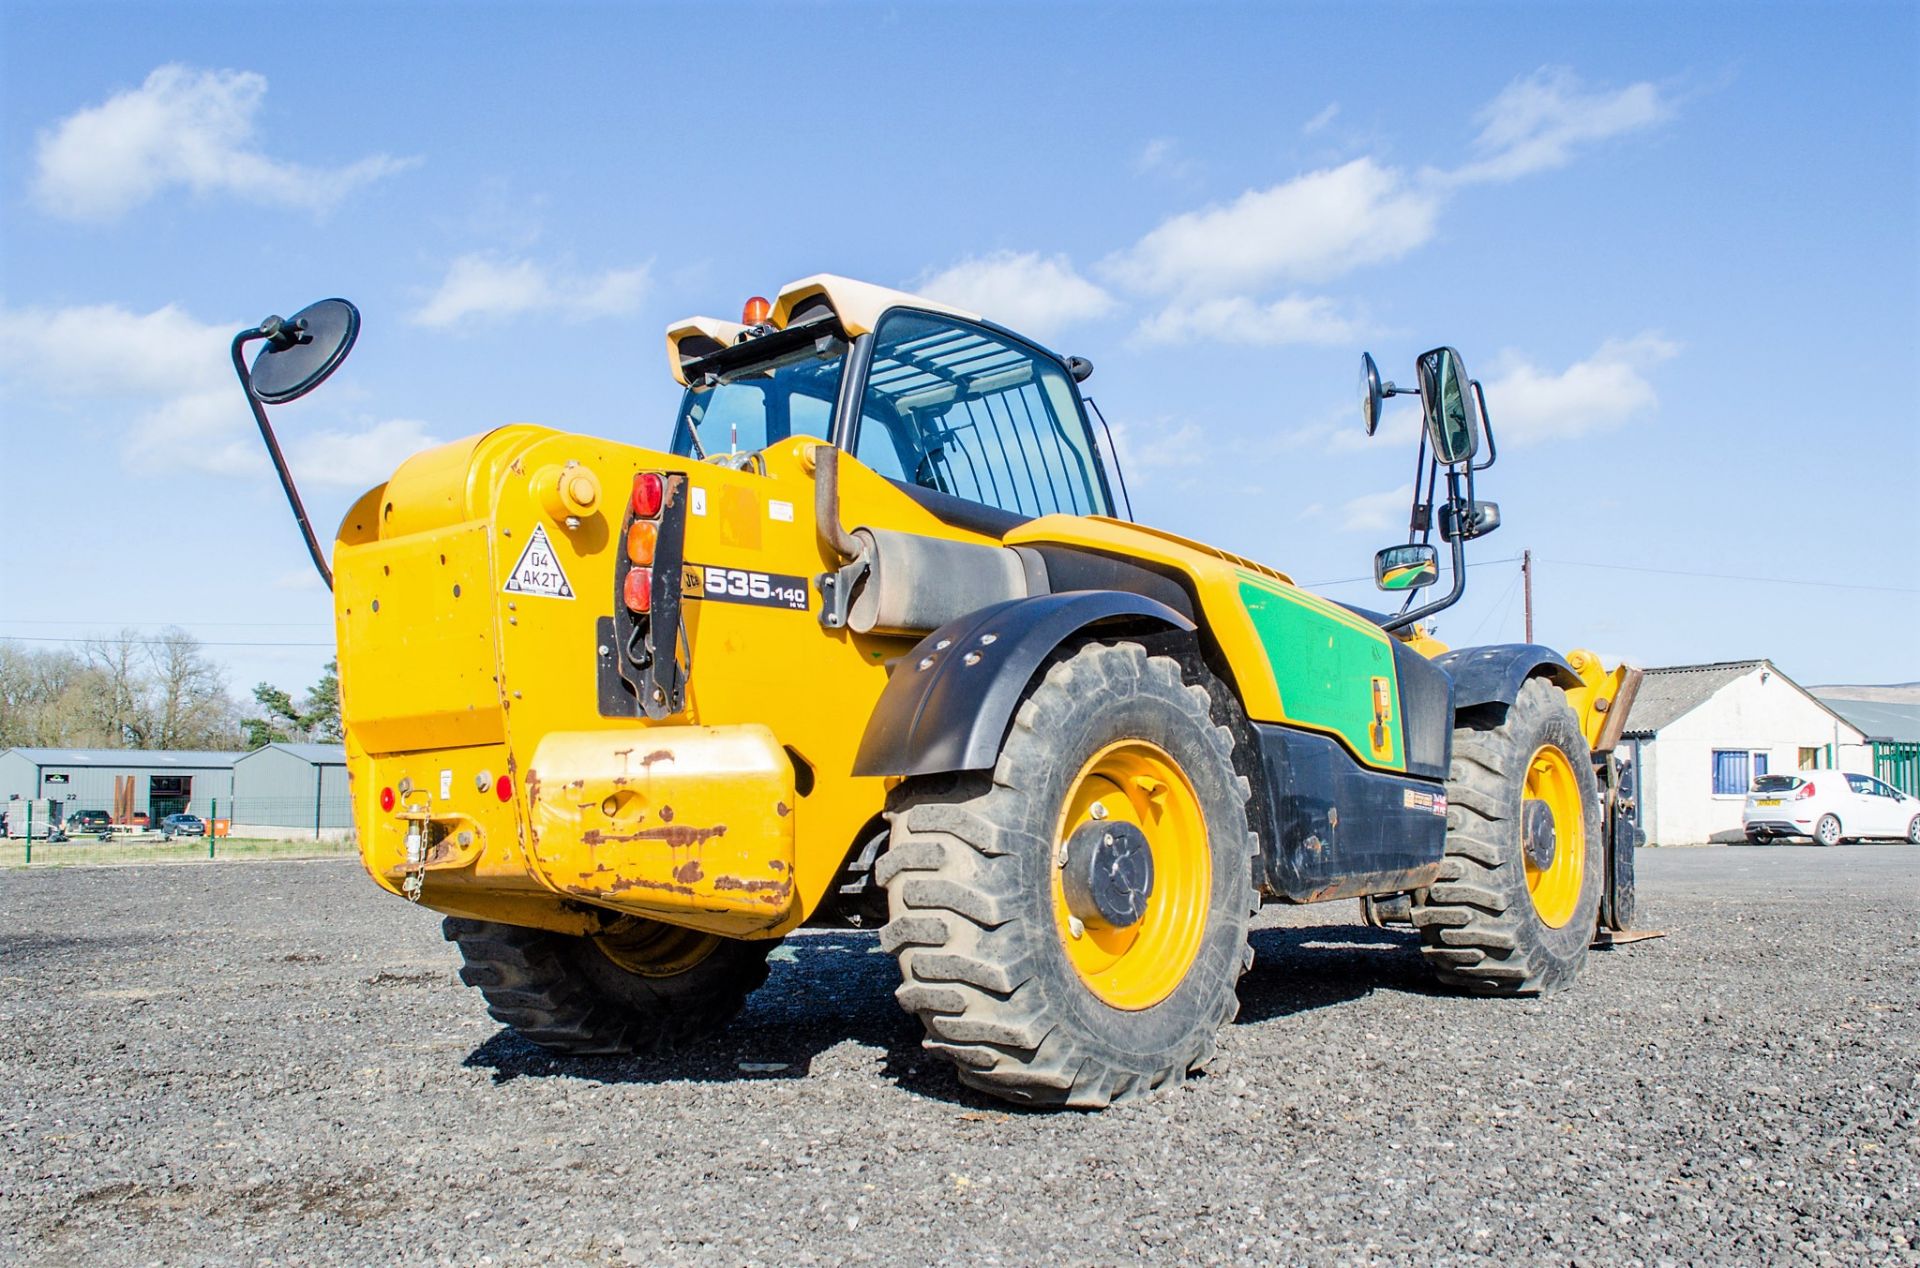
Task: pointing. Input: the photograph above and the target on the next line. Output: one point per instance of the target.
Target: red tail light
(1805, 791)
(503, 788)
(386, 799)
(637, 589)
(649, 490)
(756, 311)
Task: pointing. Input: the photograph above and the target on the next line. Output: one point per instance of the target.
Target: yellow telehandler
(874, 641)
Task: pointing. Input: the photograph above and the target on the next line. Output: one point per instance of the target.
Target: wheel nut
(1075, 927)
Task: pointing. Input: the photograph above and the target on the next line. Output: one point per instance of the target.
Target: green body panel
(1324, 661)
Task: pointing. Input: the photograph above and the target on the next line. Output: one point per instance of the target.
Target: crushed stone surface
(272, 1063)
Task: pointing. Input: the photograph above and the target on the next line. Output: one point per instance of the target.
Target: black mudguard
(1495, 674)
(950, 700)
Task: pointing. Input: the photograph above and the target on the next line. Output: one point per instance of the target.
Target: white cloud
(1162, 157)
(1311, 228)
(182, 128)
(1163, 447)
(1309, 319)
(1030, 292)
(167, 374)
(1384, 512)
(167, 381)
(1320, 120)
(1604, 391)
(1537, 122)
(491, 286)
(358, 459)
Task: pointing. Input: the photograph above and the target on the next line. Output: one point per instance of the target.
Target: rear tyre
(1913, 831)
(1042, 977)
(1827, 831)
(1517, 903)
(640, 987)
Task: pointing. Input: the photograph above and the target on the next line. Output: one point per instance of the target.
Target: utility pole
(1526, 581)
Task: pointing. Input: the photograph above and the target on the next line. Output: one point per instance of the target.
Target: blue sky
(1677, 242)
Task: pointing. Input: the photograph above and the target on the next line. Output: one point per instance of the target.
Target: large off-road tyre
(1046, 987)
(1504, 919)
(641, 987)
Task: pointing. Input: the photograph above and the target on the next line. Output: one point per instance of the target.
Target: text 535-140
(743, 585)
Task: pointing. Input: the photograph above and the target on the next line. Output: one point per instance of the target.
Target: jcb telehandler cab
(871, 643)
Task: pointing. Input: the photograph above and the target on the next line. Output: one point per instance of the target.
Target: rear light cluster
(649, 494)
(1803, 792)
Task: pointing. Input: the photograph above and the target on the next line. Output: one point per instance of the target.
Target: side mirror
(300, 351)
(1403, 568)
(1453, 420)
(1372, 394)
(1467, 523)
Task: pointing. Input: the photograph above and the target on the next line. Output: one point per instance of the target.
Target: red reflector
(756, 311)
(649, 490)
(503, 788)
(637, 590)
(386, 798)
(641, 537)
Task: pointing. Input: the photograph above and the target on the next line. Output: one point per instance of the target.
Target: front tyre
(1515, 908)
(639, 987)
(1827, 831)
(1070, 929)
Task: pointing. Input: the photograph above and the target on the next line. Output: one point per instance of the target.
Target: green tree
(316, 717)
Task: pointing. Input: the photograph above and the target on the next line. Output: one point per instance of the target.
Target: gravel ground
(270, 1063)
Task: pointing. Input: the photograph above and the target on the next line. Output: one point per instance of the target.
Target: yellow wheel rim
(1555, 889)
(650, 949)
(1136, 782)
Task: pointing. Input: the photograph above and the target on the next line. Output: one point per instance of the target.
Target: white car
(1830, 806)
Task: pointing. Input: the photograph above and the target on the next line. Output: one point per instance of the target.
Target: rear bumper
(686, 824)
(1780, 827)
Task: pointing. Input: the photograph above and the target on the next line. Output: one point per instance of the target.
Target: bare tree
(186, 702)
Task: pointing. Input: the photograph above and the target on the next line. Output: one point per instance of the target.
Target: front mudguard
(950, 700)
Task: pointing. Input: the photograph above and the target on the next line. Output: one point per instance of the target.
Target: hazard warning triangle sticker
(538, 571)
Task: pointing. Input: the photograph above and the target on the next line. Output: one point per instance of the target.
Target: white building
(1698, 735)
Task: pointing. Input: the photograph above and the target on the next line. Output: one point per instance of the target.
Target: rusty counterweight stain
(676, 834)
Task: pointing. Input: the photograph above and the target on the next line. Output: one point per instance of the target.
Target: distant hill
(1882, 693)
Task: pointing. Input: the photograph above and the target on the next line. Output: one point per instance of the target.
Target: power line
(1729, 576)
(113, 640)
(251, 625)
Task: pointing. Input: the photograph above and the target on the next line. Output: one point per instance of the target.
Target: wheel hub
(1537, 835)
(1107, 873)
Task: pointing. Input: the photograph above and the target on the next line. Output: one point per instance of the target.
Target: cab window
(955, 407)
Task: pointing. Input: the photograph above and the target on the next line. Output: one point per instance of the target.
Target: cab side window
(955, 407)
(1860, 784)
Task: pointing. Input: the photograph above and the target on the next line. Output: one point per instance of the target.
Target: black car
(88, 822)
(183, 826)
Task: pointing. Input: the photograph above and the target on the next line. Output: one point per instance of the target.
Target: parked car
(1829, 806)
(183, 826)
(89, 823)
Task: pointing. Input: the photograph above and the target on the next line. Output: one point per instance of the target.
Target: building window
(1734, 769)
(1809, 759)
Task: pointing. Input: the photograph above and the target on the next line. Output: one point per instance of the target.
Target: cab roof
(856, 305)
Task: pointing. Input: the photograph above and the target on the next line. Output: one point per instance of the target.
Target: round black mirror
(1372, 395)
(302, 350)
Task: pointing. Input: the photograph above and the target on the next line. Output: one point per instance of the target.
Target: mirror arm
(1486, 428)
(240, 341)
(1459, 561)
(1451, 597)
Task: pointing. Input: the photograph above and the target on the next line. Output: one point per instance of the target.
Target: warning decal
(538, 571)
